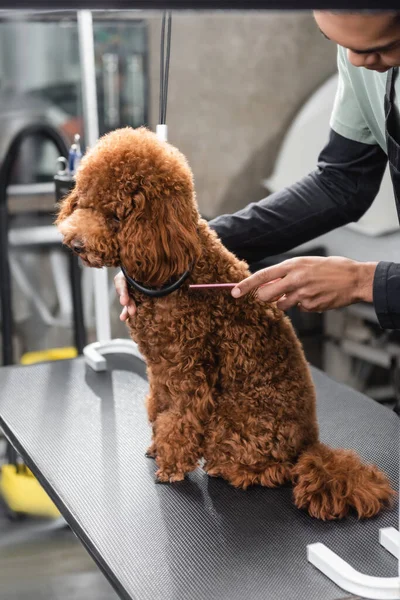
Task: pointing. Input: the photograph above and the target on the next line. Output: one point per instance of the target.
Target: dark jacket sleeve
(339, 191)
(387, 294)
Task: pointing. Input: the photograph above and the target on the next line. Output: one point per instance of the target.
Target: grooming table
(84, 435)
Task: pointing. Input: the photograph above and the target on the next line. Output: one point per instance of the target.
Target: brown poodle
(228, 378)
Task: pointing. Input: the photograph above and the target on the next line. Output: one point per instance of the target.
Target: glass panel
(40, 81)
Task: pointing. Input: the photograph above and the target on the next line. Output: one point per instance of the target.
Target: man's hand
(312, 283)
(121, 287)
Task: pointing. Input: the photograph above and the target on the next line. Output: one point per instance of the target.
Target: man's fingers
(124, 298)
(124, 314)
(128, 311)
(260, 278)
(287, 302)
(121, 288)
(270, 292)
(131, 308)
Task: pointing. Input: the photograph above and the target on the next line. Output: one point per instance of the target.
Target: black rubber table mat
(84, 435)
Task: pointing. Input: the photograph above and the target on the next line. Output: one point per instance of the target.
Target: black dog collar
(164, 290)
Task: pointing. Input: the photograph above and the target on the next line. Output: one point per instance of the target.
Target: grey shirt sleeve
(347, 118)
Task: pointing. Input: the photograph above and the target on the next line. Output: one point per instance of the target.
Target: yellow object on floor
(31, 358)
(23, 494)
(20, 490)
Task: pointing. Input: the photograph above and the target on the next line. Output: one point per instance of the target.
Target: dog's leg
(179, 431)
(156, 403)
(152, 406)
(151, 451)
(178, 439)
(248, 452)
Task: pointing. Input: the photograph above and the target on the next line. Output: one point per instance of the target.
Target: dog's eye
(116, 219)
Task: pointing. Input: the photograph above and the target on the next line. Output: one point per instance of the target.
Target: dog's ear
(66, 207)
(159, 240)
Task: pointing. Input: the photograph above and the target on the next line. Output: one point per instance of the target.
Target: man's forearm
(339, 191)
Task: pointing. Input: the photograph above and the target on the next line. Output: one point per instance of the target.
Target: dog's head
(133, 204)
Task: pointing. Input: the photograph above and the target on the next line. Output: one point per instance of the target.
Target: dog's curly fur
(228, 378)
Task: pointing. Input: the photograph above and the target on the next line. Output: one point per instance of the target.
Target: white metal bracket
(352, 581)
(94, 352)
(389, 538)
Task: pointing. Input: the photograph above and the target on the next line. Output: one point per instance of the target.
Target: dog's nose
(77, 246)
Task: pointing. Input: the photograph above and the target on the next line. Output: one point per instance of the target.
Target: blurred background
(247, 91)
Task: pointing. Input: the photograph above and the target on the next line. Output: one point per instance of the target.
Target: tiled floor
(47, 566)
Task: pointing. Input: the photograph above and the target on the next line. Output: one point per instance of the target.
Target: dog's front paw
(151, 451)
(165, 476)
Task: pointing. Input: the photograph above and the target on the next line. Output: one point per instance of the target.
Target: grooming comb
(229, 286)
(212, 286)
